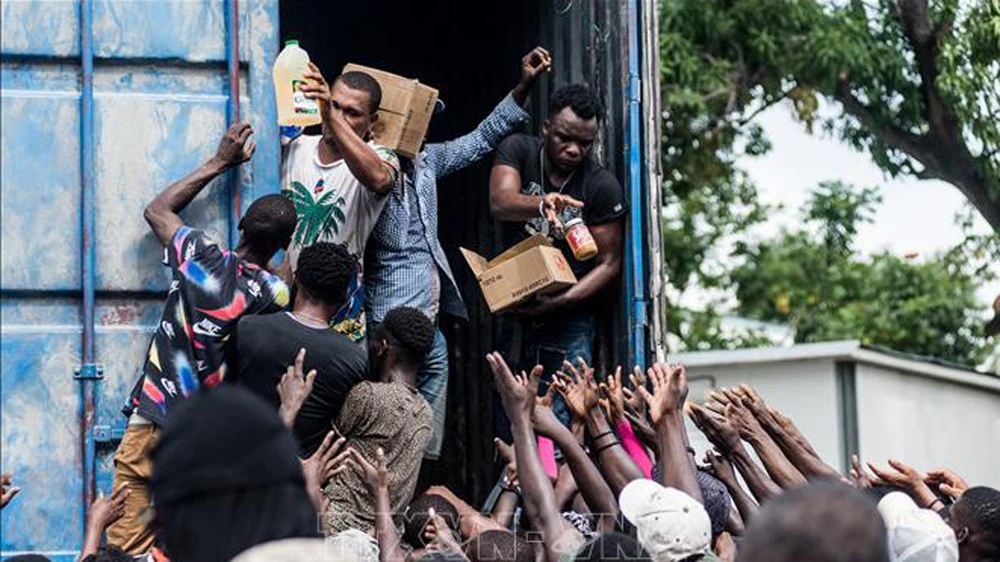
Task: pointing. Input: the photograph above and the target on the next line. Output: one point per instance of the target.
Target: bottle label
(301, 105)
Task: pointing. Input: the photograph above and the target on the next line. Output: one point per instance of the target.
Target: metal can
(580, 240)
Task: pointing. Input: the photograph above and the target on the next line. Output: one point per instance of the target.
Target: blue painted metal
(233, 111)
(94, 125)
(635, 276)
(88, 371)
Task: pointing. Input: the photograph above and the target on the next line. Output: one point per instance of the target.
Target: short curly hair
(410, 331)
(499, 546)
(324, 270)
(269, 223)
(580, 99)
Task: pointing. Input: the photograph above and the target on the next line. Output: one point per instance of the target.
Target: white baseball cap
(672, 525)
(915, 534)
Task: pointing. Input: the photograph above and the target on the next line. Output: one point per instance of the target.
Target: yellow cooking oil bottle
(294, 108)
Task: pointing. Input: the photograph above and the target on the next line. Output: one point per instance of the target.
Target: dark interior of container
(470, 51)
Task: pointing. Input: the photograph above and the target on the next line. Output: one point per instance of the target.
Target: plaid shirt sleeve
(447, 157)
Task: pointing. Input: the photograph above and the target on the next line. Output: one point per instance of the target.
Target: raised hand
(316, 87)
(719, 431)
(534, 63)
(950, 484)
(107, 509)
(294, 388)
(721, 467)
(907, 479)
(507, 454)
(517, 392)
(545, 421)
(376, 475)
(233, 148)
(745, 421)
(326, 462)
(634, 401)
(579, 390)
(9, 490)
(858, 475)
(613, 393)
(439, 536)
(669, 391)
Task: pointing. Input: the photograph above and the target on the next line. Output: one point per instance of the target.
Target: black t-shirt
(602, 195)
(265, 345)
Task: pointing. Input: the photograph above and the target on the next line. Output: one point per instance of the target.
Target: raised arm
(782, 471)
(518, 396)
(103, 512)
(666, 406)
(798, 451)
(162, 212)
(593, 488)
(722, 468)
(580, 393)
(447, 157)
(340, 138)
(724, 436)
(376, 476)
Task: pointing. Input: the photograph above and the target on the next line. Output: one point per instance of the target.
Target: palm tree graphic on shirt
(318, 218)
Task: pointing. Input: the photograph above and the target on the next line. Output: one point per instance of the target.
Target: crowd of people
(284, 410)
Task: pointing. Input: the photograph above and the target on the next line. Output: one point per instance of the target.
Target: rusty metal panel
(160, 92)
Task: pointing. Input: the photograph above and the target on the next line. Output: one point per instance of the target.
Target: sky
(915, 215)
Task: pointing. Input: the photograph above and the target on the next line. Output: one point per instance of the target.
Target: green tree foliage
(812, 279)
(918, 83)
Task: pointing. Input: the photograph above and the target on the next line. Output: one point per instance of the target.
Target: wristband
(596, 437)
(541, 207)
(608, 446)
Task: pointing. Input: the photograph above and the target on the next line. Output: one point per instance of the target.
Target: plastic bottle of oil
(294, 108)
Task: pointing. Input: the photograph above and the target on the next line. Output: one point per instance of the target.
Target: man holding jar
(546, 185)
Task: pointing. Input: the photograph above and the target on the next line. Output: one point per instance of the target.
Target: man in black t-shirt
(265, 345)
(537, 185)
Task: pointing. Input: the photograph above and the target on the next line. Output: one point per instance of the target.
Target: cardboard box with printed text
(530, 267)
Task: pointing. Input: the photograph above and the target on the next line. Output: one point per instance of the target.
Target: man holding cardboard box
(537, 185)
(406, 264)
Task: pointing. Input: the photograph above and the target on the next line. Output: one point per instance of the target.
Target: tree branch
(888, 133)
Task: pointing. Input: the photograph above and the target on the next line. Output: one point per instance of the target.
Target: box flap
(520, 248)
(476, 262)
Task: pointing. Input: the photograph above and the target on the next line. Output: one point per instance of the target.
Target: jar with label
(580, 240)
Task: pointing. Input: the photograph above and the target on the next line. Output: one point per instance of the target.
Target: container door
(160, 94)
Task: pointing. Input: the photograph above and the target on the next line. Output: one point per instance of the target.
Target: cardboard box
(405, 112)
(531, 267)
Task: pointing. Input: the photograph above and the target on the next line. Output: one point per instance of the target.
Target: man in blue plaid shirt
(405, 264)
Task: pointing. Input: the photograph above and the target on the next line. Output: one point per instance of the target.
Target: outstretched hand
(233, 148)
(107, 509)
(578, 388)
(613, 392)
(375, 475)
(949, 483)
(719, 431)
(670, 391)
(324, 464)
(517, 392)
(907, 479)
(294, 388)
(9, 490)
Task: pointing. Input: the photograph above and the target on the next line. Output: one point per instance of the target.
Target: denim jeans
(548, 341)
(432, 381)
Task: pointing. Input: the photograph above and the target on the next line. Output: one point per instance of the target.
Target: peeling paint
(154, 122)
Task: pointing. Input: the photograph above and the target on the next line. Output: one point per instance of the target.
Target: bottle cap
(573, 222)
(291, 42)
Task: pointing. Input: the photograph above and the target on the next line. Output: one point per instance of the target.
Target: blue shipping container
(105, 102)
